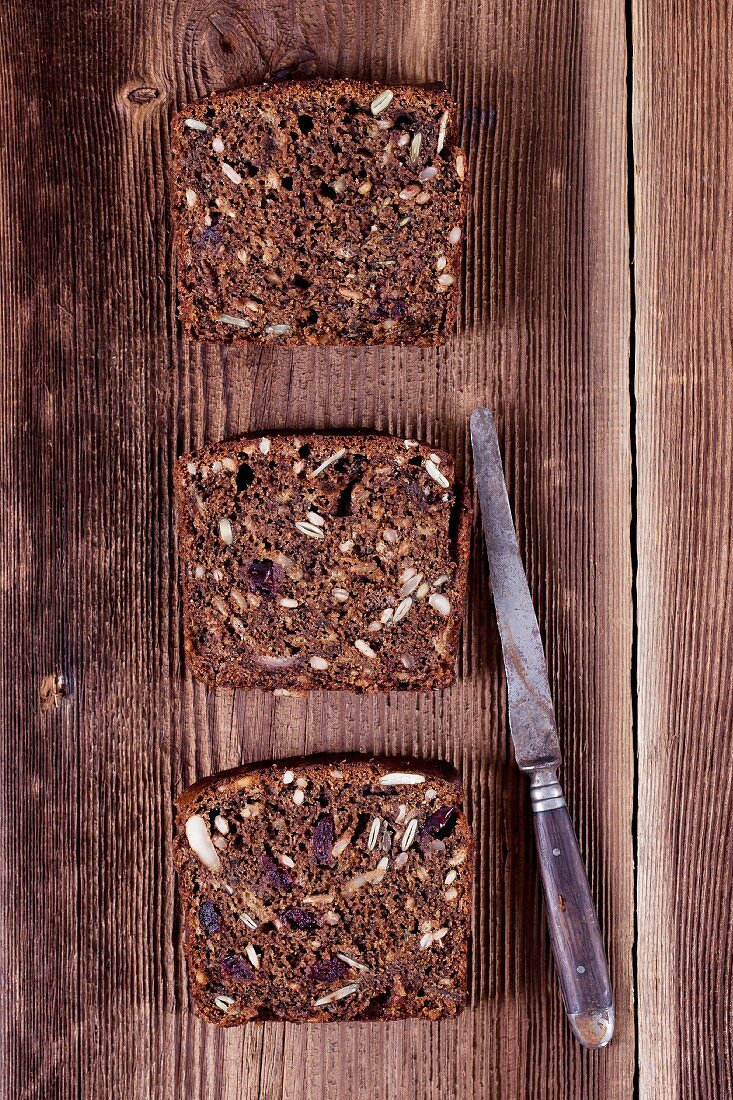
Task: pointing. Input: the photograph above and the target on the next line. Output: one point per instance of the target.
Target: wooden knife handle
(575, 936)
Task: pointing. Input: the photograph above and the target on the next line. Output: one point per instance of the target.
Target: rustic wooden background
(596, 322)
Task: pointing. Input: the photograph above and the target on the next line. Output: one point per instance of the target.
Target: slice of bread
(322, 561)
(319, 212)
(325, 889)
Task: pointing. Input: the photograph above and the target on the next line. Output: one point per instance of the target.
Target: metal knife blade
(531, 712)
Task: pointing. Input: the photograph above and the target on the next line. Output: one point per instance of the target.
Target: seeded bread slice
(322, 561)
(318, 212)
(325, 889)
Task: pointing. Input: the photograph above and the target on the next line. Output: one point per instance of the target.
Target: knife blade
(575, 935)
(531, 713)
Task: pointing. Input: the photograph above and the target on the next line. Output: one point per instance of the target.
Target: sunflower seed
(440, 603)
(309, 529)
(221, 825)
(409, 835)
(401, 859)
(194, 124)
(218, 603)
(382, 102)
(328, 462)
(231, 173)
(191, 197)
(340, 594)
(402, 609)
(410, 191)
(287, 602)
(441, 932)
(422, 591)
(217, 145)
(223, 1003)
(399, 779)
(460, 166)
(288, 777)
(315, 519)
(351, 962)
(426, 941)
(440, 263)
(225, 531)
(197, 835)
(364, 648)
(409, 587)
(277, 330)
(446, 279)
(451, 894)
(450, 877)
(318, 663)
(374, 626)
(252, 955)
(337, 995)
(440, 581)
(442, 130)
(245, 917)
(415, 146)
(436, 475)
(454, 236)
(423, 198)
(406, 574)
(341, 845)
(287, 861)
(428, 173)
(265, 446)
(380, 870)
(298, 797)
(230, 319)
(374, 834)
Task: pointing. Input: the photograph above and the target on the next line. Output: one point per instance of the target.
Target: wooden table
(596, 321)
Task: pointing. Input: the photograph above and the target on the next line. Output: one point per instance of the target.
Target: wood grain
(684, 282)
(99, 395)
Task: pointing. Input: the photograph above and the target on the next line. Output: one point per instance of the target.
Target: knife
(580, 958)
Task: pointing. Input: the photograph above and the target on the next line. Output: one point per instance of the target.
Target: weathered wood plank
(96, 382)
(683, 105)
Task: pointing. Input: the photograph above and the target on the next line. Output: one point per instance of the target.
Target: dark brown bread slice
(318, 212)
(322, 561)
(325, 889)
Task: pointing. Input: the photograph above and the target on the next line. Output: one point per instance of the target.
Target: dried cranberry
(275, 876)
(234, 966)
(300, 918)
(391, 307)
(440, 823)
(328, 970)
(210, 917)
(322, 839)
(415, 495)
(263, 577)
(210, 236)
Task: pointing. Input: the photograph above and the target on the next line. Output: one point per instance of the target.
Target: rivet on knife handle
(574, 932)
(575, 936)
